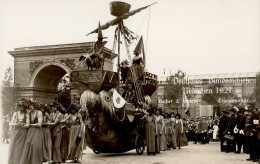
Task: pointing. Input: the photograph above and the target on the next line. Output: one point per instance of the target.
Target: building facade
(228, 89)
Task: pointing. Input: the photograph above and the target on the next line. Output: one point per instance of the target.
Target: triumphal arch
(39, 69)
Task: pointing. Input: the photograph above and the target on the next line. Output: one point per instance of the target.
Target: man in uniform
(236, 130)
(223, 122)
(231, 146)
(241, 134)
(251, 131)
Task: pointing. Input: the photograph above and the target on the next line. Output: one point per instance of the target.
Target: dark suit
(253, 137)
(231, 146)
(223, 122)
(242, 137)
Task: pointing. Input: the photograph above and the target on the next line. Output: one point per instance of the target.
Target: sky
(196, 36)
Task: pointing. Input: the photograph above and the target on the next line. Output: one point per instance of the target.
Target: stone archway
(48, 75)
(38, 69)
(45, 79)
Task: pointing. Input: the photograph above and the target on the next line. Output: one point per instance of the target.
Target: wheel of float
(96, 152)
(139, 145)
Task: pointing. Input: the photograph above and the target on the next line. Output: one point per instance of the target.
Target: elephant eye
(107, 98)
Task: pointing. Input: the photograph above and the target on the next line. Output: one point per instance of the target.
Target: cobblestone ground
(193, 154)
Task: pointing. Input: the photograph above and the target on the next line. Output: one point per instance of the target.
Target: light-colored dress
(163, 138)
(170, 134)
(33, 147)
(47, 142)
(180, 137)
(159, 125)
(215, 132)
(75, 143)
(150, 134)
(17, 141)
(56, 137)
(64, 141)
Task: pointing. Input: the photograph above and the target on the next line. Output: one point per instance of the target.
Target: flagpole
(118, 59)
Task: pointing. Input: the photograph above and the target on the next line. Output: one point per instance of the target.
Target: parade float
(109, 98)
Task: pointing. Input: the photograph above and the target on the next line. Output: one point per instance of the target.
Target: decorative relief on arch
(34, 65)
(69, 63)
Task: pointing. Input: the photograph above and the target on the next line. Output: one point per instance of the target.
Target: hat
(73, 107)
(226, 111)
(100, 36)
(241, 110)
(150, 110)
(23, 103)
(234, 110)
(139, 47)
(178, 115)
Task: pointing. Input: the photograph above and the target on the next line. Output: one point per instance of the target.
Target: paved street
(193, 154)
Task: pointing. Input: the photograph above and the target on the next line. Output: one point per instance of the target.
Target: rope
(141, 23)
(148, 29)
(127, 49)
(112, 108)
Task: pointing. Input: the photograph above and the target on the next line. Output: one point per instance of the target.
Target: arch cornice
(37, 70)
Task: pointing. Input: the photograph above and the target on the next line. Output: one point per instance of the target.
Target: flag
(118, 100)
(140, 48)
(185, 103)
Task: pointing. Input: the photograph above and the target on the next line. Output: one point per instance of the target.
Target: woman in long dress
(47, 142)
(65, 138)
(20, 123)
(180, 136)
(32, 151)
(150, 132)
(215, 132)
(75, 134)
(174, 143)
(169, 131)
(163, 136)
(159, 122)
(56, 117)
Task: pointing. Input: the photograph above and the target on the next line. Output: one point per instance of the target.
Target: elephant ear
(88, 100)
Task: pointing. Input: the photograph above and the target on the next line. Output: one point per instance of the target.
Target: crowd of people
(203, 129)
(45, 133)
(239, 130)
(164, 131)
(50, 133)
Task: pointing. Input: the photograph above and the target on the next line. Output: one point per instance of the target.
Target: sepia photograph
(130, 81)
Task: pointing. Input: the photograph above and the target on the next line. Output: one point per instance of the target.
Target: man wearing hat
(231, 146)
(238, 117)
(241, 140)
(223, 122)
(251, 131)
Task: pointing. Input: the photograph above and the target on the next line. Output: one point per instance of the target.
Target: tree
(64, 89)
(219, 92)
(174, 89)
(8, 79)
(8, 92)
